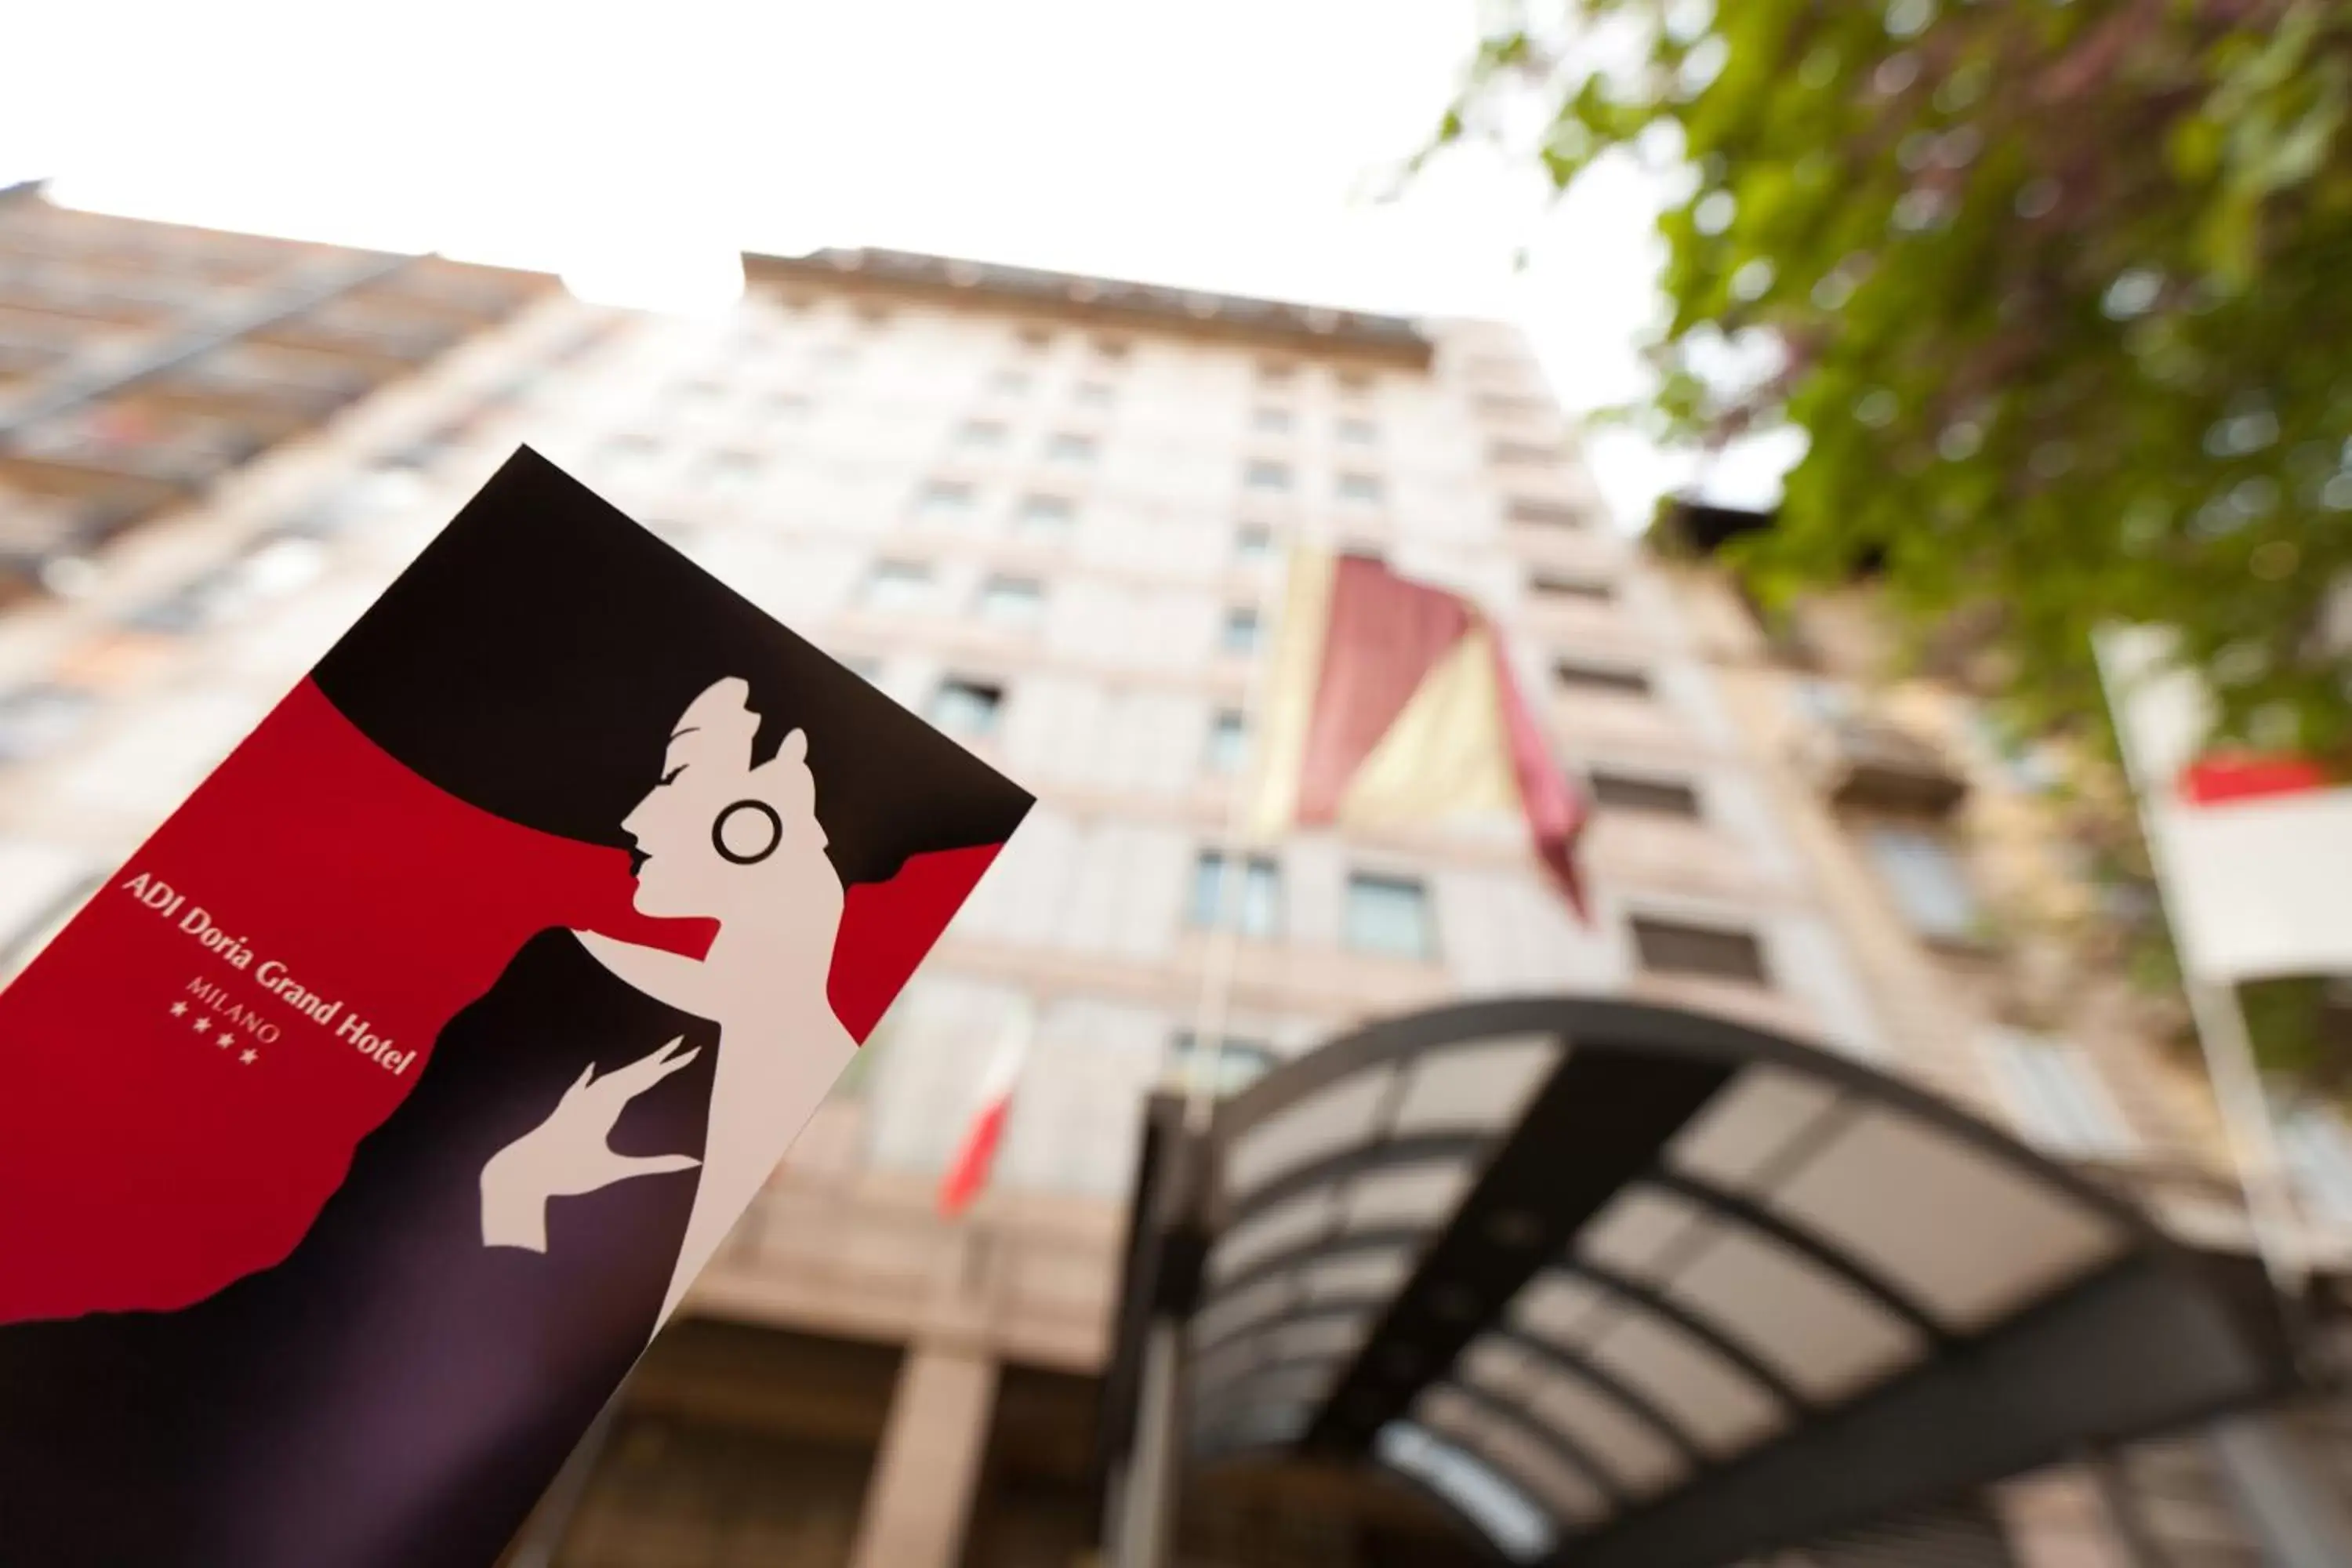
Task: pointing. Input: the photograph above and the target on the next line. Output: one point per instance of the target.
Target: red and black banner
(359, 1132)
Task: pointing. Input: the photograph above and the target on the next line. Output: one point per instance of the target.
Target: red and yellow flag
(1392, 701)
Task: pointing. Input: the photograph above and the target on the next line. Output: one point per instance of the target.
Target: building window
(943, 499)
(1521, 452)
(982, 432)
(1357, 432)
(1263, 475)
(1926, 881)
(1066, 448)
(1035, 340)
(1015, 382)
(1590, 590)
(1359, 487)
(1719, 953)
(1354, 382)
(1045, 517)
(1253, 542)
(897, 585)
(1258, 898)
(786, 404)
(2054, 1094)
(873, 315)
(1277, 372)
(1111, 348)
(1239, 632)
(1012, 601)
(1271, 421)
(1659, 797)
(1228, 743)
(1552, 513)
(866, 667)
(2317, 1148)
(1237, 1063)
(1092, 394)
(967, 708)
(1577, 676)
(1389, 916)
(699, 395)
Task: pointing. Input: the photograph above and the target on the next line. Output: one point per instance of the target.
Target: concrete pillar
(919, 1500)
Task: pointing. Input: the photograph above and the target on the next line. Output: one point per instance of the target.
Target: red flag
(967, 1173)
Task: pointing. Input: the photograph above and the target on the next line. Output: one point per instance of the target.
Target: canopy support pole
(1148, 1485)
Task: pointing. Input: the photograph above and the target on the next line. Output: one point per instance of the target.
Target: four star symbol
(224, 1039)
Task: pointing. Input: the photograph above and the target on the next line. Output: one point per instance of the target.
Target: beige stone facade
(1051, 513)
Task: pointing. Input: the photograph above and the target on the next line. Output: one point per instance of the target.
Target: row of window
(1035, 340)
(905, 586)
(1045, 518)
(1391, 916)
(1015, 382)
(1385, 915)
(973, 710)
(733, 470)
(1271, 476)
(1349, 429)
(1018, 602)
(1069, 448)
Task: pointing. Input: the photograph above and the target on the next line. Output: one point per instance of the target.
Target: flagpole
(1213, 1003)
(1139, 1534)
(2224, 1041)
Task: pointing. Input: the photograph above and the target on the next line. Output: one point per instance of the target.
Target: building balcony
(1864, 762)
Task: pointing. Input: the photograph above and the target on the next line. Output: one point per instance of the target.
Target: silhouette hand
(569, 1152)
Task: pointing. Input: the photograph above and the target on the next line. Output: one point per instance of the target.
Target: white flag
(2256, 852)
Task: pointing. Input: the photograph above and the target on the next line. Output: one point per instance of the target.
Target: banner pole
(2223, 1040)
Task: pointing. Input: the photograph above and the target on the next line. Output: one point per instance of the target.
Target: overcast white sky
(1223, 144)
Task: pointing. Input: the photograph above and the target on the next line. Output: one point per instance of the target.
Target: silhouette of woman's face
(718, 835)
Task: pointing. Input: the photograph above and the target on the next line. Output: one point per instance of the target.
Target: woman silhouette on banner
(726, 838)
(398, 1390)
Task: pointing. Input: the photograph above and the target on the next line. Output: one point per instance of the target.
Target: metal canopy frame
(1625, 1285)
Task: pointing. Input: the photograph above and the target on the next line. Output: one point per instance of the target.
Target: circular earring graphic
(731, 839)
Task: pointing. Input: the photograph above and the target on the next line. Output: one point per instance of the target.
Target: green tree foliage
(2062, 296)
